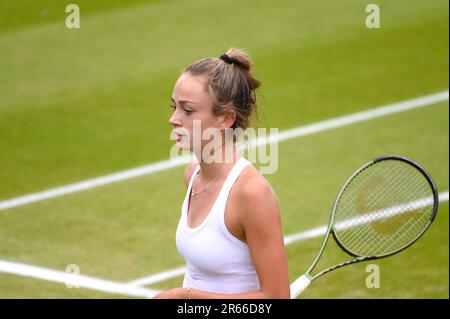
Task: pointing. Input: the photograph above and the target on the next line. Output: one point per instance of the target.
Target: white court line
(134, 287)
(162, 276)
(290, 239)
(282, 136)
(74, 279)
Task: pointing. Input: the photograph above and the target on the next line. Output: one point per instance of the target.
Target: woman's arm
(261, 222)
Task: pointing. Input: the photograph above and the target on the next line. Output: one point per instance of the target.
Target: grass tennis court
(78, 104)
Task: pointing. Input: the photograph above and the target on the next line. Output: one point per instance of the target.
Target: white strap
(235, 172)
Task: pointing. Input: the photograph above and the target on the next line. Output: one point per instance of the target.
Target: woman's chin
(182, 145)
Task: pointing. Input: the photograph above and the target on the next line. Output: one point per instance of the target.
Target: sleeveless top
(216, 261)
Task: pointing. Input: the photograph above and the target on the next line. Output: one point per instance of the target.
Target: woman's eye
(186, 111)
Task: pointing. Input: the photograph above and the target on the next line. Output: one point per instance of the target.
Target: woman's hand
(176, 293)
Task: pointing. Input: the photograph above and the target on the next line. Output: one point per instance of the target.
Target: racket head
(384, 207)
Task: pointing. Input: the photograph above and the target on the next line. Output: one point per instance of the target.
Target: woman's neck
(217, 162)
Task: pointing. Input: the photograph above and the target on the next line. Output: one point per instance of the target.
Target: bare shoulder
(188, 172)
(255, 194)
(252, 184)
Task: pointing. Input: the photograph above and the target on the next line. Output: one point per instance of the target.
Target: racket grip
(299, 285)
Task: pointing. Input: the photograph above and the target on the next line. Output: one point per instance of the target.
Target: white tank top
(216, 261)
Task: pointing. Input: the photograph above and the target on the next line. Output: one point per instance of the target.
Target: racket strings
(374, 200)
(350, 207)
(357, 187)
(383, 208)
(402, 236)
(406, 206)
(374, 182)
(380, 227)
(375, 236)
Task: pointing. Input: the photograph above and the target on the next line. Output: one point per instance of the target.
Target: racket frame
(331, 228)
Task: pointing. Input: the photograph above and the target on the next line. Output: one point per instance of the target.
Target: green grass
(12, 286)
(81, 103)
(78, 104)
(126, 237)
(29, 13)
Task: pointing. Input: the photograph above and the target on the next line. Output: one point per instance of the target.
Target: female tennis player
(230, 232)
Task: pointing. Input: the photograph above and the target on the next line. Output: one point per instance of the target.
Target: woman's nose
(174, 120)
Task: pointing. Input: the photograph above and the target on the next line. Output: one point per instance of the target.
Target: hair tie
(225, 58)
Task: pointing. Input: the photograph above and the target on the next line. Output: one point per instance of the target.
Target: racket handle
(299, 285)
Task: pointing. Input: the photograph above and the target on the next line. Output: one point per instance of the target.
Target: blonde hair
(231, 84)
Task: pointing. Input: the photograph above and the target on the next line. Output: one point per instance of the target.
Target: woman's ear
(228, 119)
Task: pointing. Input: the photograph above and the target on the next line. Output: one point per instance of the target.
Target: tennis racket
(382, 209)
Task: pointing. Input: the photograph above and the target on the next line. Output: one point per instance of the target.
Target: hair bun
(242, 60)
